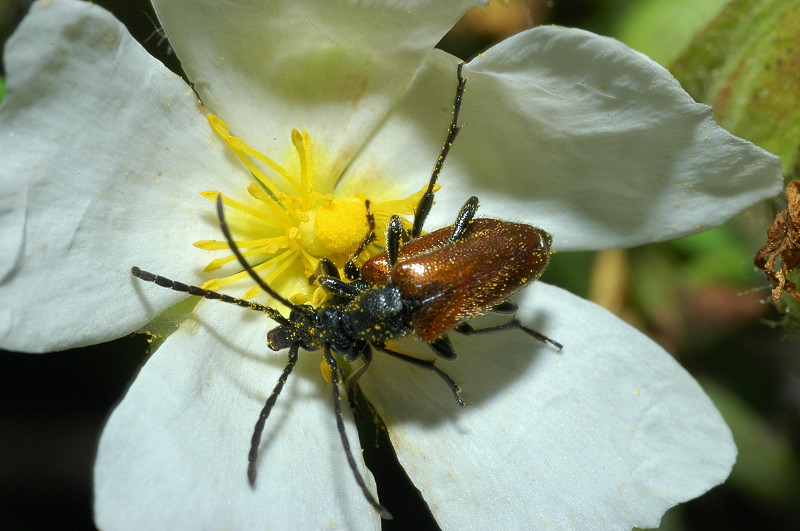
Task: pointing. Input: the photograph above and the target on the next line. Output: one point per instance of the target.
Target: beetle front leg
(395, 235)
(463, 219)
(348, 452)
(365, 354)
(325, 268)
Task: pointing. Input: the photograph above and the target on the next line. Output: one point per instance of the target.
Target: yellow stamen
(217, 283)
(242, 150)
(274, 210)
(302, 144)
(265, 243)
(284, 235)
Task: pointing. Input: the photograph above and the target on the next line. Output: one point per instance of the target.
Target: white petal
(174, 452)
(104, 152)
(399, 158)
(332, 68)
(577, 133)
(615, 147)
(606, 434)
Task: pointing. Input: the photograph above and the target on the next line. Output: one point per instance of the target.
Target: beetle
(425, 285)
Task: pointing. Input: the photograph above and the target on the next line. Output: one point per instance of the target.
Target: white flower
(104, 155)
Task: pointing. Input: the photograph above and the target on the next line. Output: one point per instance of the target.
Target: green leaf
(745, 64)
(168, 321)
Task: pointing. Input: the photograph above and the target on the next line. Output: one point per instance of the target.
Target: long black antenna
(426, 202)
(258, 280)
(337, 405)
(255, 441)
(197, 291)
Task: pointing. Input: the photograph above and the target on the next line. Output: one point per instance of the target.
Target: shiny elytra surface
(455, 281)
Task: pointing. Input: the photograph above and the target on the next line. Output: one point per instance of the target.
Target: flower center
(286, 223)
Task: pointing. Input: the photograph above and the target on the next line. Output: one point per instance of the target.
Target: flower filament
(287, 223)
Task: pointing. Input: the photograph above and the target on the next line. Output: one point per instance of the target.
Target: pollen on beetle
(284, 220)
(325, 369)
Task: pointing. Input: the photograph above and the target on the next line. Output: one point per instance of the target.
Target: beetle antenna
(255, 441)
(197, 291)
(337, 404)
(258, 280)
(426, 202)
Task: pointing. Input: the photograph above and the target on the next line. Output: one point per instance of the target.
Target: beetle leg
(351, 270)
(324, 268)
(337, 406)
(365, 354)
(337, 286)
(468, 330)
(426, 202)
(442, 347)
(394, 235)
(466, 214)
(352, 379)
(426, 364)
(504, 307)
(262, 418)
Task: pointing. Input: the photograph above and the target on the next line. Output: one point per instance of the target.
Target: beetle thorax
(378, 315)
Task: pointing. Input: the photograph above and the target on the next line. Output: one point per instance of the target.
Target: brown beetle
(457, 280)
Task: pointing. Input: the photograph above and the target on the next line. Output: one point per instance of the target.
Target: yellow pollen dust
(325, 369)
(284, 224)
(341, 224)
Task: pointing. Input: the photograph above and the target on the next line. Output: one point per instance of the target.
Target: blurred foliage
(767, 468)
(745, 64)
(663, 28)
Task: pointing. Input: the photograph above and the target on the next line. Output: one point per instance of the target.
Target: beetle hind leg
(504, 307)
(443, 348)
(427, 364)
(468, 330)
